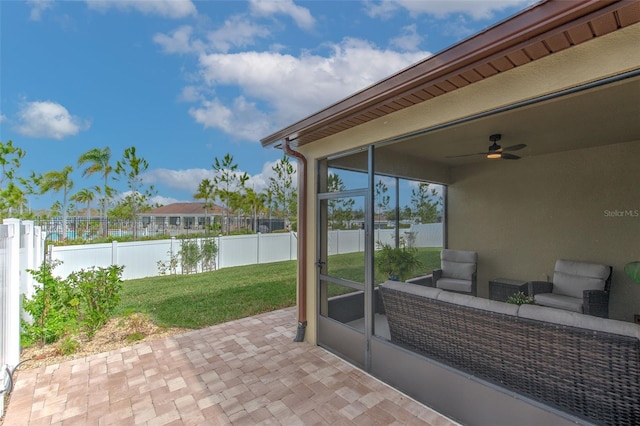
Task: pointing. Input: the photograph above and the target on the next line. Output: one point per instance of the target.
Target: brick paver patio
(243, 372)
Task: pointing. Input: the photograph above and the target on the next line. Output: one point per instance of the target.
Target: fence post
(258, 247)
(114, 252)
(29, 251)
(12, 292)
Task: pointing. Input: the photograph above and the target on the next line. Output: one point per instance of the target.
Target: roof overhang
(539, 31)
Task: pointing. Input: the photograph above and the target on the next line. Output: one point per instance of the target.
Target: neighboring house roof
(537, 32)
(185, 209)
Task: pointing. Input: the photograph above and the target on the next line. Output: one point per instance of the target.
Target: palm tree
(85, 195)
(59, 181)
(206, 192)
(98, 162)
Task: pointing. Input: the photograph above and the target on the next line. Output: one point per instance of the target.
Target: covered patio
(560, 81)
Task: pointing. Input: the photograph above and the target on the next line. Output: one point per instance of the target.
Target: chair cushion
(571, 278)
(453, 284)
(458, 264)
(559, 301)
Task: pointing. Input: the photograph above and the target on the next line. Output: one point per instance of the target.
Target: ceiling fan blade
(514, 147)
(507, 156)
(466, 155)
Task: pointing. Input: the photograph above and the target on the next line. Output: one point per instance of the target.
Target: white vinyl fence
(21, 248)
(140, 259)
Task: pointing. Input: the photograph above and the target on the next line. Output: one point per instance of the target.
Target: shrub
(53, 309)
(58, 307)
(99, 292)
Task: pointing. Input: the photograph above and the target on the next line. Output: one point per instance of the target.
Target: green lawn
(201, 300)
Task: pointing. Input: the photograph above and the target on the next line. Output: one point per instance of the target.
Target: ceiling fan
(496, 151)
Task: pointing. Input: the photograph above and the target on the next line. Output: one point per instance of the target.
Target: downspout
(302, 245)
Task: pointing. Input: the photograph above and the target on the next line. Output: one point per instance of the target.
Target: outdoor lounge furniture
(583, 365)
(577, 286)
(457, 272)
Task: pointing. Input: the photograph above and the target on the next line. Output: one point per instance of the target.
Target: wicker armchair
(577, 286)
(457, 272)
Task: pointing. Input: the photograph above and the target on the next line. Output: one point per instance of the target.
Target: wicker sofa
(583, 365)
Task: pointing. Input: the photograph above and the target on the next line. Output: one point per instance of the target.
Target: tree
(340, 210)
(283, 190)
(97, 161)
(227, 182)
(11, 195)
(426, 203)
(136, 201)
(206, 192)
(255, 204)
(85, 196)
(57, 181)
(382, 200)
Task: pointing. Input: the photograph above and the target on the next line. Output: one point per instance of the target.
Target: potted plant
(397, 262)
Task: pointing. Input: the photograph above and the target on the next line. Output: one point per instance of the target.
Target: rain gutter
(302, 239)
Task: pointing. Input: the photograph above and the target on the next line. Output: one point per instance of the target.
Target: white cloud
(300, 15)
(163, 201)
(174, 9)
(294, 86)
(476, 9)
(241, 119)
(260, 181)
(409, 40)
(179, 41)
(38, 7)
(236, 32)
(189, 179)
(185, 180)
(46, 119)
(3, 118)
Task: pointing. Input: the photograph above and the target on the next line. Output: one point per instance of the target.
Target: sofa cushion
(418, 290)
(559, 301)
(453, 284)
(571, 278)
(574, 319)
(478, 303)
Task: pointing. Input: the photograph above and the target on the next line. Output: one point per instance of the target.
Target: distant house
(194, 216)
(184, 215)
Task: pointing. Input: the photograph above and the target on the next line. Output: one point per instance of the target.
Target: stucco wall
(523, 215)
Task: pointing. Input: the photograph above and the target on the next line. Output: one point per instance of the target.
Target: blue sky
(185, 82)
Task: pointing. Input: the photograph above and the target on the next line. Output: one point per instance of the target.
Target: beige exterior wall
(579, 205)
(577, 65)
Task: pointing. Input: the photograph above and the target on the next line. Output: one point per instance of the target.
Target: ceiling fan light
(493, 155)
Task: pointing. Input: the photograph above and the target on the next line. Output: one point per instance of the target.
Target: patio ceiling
(542, 30)
(601, 116)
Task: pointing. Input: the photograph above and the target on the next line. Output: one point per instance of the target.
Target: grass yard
(201, 300)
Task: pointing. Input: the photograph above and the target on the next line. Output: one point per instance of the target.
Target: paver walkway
(243, 372)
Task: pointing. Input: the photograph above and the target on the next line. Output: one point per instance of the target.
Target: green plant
(397, 262)
(53, 309)
(189, 255)
(520, 298)
(169, 266)
(99, 293)
(134, 337)
(67, 346)
(208, 251)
